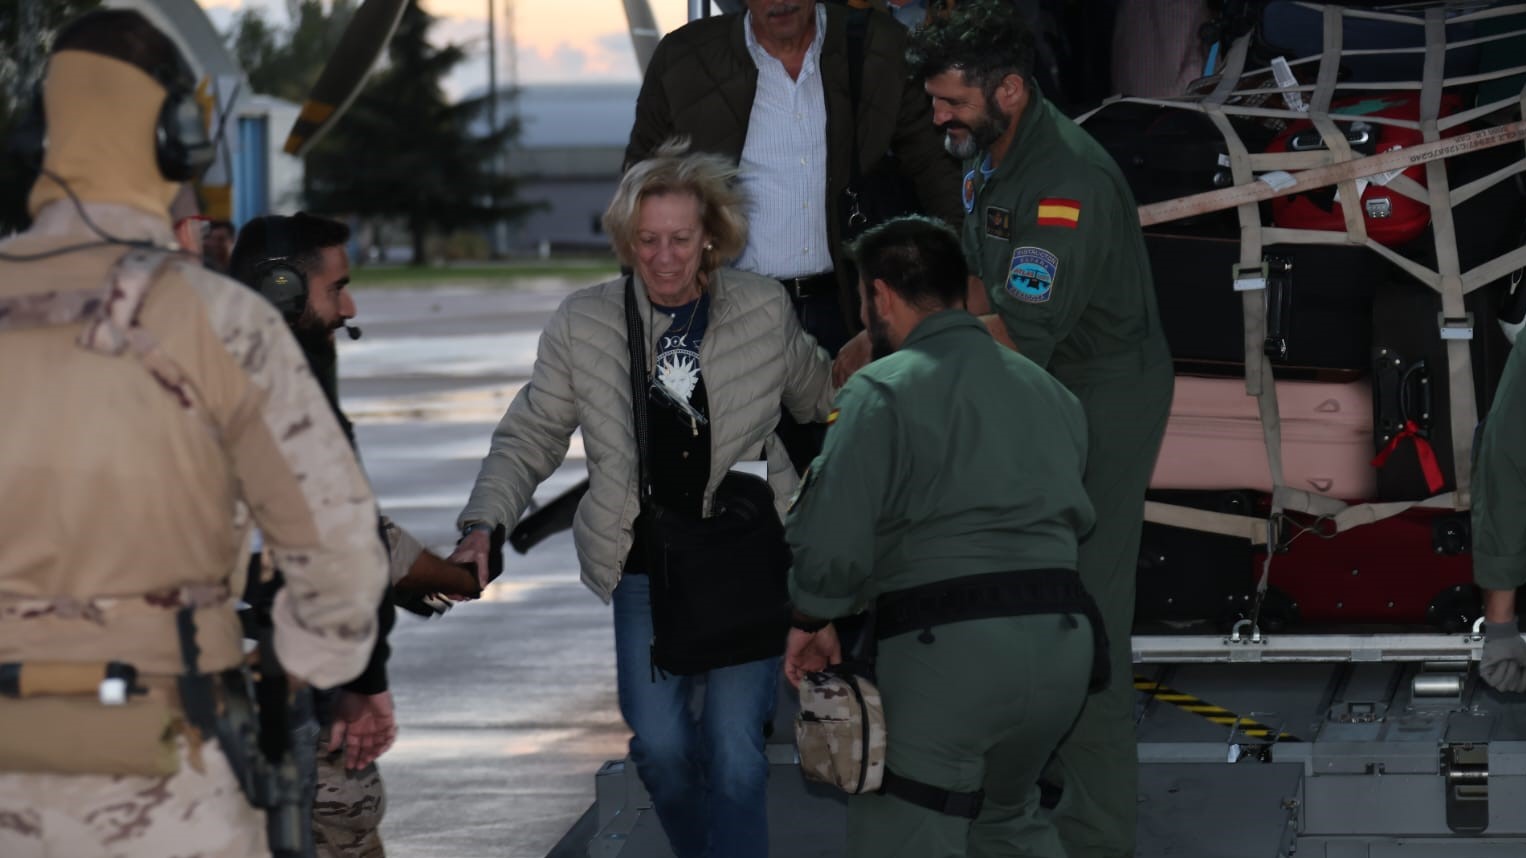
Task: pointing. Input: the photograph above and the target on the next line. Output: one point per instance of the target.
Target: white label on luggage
(1382, 179)
(1286, 80)
(1224, 160)
(1279, 180)
(1361, 188)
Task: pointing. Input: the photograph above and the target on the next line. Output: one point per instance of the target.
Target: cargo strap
(1020, 593)
(965, 805)
(1335, 166)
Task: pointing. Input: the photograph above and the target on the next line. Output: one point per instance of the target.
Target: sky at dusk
(558, 40)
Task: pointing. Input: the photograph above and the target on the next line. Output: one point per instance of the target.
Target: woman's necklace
(695, 418)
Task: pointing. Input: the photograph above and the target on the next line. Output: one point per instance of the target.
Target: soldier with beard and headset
(299, 264)
(155, 407)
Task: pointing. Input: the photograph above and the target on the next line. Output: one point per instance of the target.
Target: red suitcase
(1214, 438)
(1391, 218)
(1412, 569)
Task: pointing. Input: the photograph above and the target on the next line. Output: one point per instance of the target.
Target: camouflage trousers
(348, 810)
(190, 814)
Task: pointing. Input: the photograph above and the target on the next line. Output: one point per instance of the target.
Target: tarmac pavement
(506, 706)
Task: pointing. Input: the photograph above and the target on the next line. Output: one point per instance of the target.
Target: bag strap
(635, 335)
(858, 34)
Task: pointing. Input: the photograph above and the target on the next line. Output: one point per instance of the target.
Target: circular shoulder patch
(1031, 274)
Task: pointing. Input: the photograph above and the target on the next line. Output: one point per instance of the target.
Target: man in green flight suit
(1499, 530)
(1052, 235)
(949, 495)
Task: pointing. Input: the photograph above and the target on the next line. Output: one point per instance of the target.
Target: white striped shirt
(784, 165)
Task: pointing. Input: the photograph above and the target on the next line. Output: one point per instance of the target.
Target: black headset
(276, 276)
(183, 146)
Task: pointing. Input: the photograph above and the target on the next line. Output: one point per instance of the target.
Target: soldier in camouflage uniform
(154, 406)
(350, 795)
(950, 461)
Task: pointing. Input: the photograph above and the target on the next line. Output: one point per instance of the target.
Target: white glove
(1504, 662)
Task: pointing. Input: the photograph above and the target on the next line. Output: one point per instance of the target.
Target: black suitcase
(1187, 576)
(1319, 305)
(1166, 153)
(1411, 381)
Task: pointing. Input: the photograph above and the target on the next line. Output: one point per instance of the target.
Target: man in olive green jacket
(952, 475)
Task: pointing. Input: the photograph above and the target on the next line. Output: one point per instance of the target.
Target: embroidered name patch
(1054, 211)
(1030, 277)
(998, 222)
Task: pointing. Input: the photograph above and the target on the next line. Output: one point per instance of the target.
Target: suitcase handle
(1279, 307)
(1358, 134)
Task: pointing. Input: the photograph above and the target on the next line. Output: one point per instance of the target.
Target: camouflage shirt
(128, 490)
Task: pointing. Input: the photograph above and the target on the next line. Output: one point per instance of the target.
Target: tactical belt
(991, 595)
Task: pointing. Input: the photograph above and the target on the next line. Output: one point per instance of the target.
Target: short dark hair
(985, 39)
(305, 237)
(222, 224)
(125, 35)
(920, 258)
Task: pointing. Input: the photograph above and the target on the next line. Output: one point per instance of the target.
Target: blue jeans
(707, 776)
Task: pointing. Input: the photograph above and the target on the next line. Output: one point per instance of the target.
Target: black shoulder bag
(719, 585)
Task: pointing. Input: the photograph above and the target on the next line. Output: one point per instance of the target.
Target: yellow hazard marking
(1217, 714)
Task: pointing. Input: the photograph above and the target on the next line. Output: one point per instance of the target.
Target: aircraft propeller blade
(644, 32)
(342, 78)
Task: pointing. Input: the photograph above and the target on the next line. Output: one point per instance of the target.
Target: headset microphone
(352, 330)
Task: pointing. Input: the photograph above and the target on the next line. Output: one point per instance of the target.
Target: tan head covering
(101, 115)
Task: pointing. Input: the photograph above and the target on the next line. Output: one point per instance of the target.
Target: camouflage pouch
(840, 731)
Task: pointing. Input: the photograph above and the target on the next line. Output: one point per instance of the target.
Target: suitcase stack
(1357, 344)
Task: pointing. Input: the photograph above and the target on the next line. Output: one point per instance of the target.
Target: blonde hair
(673, 169)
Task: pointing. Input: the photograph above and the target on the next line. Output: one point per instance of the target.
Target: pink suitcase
(1214, 438)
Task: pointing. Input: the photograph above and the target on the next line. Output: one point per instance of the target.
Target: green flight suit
(1053, 232)
(953, 457)
(1499, 483)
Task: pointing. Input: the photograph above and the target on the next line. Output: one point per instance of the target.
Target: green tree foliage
(286, 62)
(404, 152)
(27, 28)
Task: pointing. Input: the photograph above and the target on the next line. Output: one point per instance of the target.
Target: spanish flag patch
(832, 416)
(1054, 211)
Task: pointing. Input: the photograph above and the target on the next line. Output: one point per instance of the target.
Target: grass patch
(505, 274)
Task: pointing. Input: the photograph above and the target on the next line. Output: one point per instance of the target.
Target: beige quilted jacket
(754, 356)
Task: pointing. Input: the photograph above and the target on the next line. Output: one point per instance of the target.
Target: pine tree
(286, 62)
(404, 152)
(27, 28)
